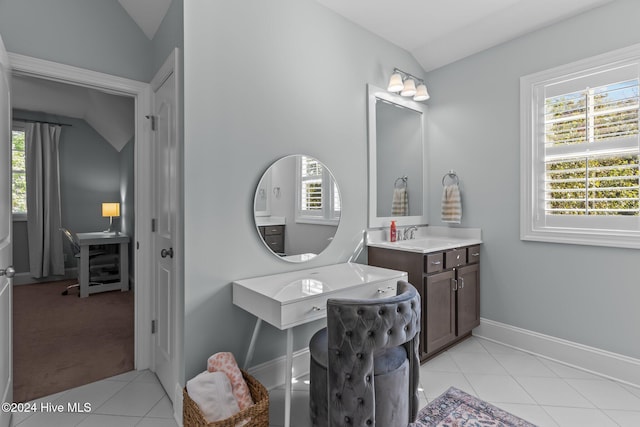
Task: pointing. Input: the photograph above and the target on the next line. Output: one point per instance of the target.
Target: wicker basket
(256, 415)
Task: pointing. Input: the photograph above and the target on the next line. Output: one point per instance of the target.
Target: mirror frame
(375, 221)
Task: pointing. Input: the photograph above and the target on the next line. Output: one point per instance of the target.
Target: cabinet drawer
(473, 254)
(276, 243)
(273, 229)
(433, 263)
(455, 258)
(309, 309)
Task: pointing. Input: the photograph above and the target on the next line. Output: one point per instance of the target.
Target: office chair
(95, 255)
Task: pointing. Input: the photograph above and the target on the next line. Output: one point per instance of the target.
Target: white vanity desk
(290, 299)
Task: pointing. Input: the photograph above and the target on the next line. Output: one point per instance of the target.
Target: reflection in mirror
(397, 165)
(297, 208)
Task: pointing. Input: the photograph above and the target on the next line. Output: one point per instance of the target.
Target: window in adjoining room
(580, 152)
(18, 173)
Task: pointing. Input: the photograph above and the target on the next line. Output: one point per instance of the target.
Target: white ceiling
(439, 32)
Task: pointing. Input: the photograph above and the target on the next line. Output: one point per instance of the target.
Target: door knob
(166, 253)
(9, 272)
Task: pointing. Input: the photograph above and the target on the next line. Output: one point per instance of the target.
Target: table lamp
(110, 210)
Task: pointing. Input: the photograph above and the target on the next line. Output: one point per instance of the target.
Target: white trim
(271, 373)
(590, 359)
(140, 91)
(375, 221)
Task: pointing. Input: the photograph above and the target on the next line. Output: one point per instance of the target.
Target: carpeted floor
(61, 342)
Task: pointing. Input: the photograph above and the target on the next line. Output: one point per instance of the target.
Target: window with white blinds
(318, 200)
(581, 152)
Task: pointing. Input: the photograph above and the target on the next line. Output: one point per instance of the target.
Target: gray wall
(584, 294)
(91, 172)
(288, 78)
(97, 35)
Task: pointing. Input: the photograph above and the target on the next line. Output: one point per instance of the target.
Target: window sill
(19, 217)
(629, 240)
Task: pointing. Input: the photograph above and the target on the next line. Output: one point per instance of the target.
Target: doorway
(140, 94)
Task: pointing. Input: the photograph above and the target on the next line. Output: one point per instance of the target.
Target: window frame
(19, 127)
(619, 231)
(328, 214)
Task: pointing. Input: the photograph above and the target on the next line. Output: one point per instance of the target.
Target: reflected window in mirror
(317, 193)
(297, 207)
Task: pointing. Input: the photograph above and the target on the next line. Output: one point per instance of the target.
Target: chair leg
(66, 291)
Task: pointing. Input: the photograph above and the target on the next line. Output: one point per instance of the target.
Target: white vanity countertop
(298, 285)
(427, 239)
(266, 221)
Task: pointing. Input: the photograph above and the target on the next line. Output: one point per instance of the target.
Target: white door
(165, 147)
(6, 368)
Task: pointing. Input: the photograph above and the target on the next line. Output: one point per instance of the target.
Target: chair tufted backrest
(356, 330)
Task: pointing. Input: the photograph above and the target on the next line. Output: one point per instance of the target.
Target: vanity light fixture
(408, 85)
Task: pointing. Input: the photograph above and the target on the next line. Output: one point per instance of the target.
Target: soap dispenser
(393, 233)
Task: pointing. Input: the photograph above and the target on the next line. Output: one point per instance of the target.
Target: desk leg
(288, 379)
(124, 266)
(252, 344)
(83, 278)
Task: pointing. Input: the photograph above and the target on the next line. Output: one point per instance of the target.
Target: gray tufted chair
(364, 364)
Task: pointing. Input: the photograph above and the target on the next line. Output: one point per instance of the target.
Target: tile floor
(543, 392)
(135, 398)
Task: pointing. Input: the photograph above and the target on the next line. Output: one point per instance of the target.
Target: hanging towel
(400, 203)
(451, 204)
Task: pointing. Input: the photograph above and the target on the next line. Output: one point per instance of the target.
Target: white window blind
(591, 151)
(581, 152)
(318, 196)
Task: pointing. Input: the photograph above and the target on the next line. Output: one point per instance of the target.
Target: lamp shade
(111, 209)
(421, 93)
(395, 83)
(409, 88)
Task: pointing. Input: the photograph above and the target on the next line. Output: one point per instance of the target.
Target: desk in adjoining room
(86, 240)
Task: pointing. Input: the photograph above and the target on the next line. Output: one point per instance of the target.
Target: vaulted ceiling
(435, 32)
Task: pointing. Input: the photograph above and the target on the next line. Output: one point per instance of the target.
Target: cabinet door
(439, 310)
(468, 298)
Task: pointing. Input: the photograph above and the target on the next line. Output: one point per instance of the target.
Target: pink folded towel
(225, 362)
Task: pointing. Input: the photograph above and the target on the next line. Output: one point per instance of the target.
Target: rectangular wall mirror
(397, 160)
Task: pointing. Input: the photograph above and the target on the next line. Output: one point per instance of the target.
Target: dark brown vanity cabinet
(449, 285)
(273, 236)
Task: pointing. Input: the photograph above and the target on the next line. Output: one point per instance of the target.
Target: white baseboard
(271, 373)
(590, 359)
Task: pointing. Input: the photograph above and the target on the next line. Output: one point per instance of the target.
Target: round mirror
(297, 208)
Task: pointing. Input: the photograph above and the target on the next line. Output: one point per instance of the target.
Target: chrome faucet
(409, 232)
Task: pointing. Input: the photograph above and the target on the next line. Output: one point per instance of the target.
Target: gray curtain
(43, 199)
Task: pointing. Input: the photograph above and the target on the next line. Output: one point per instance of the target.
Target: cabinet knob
(436, 262)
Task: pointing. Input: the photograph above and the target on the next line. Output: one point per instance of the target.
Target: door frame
(141, 93)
